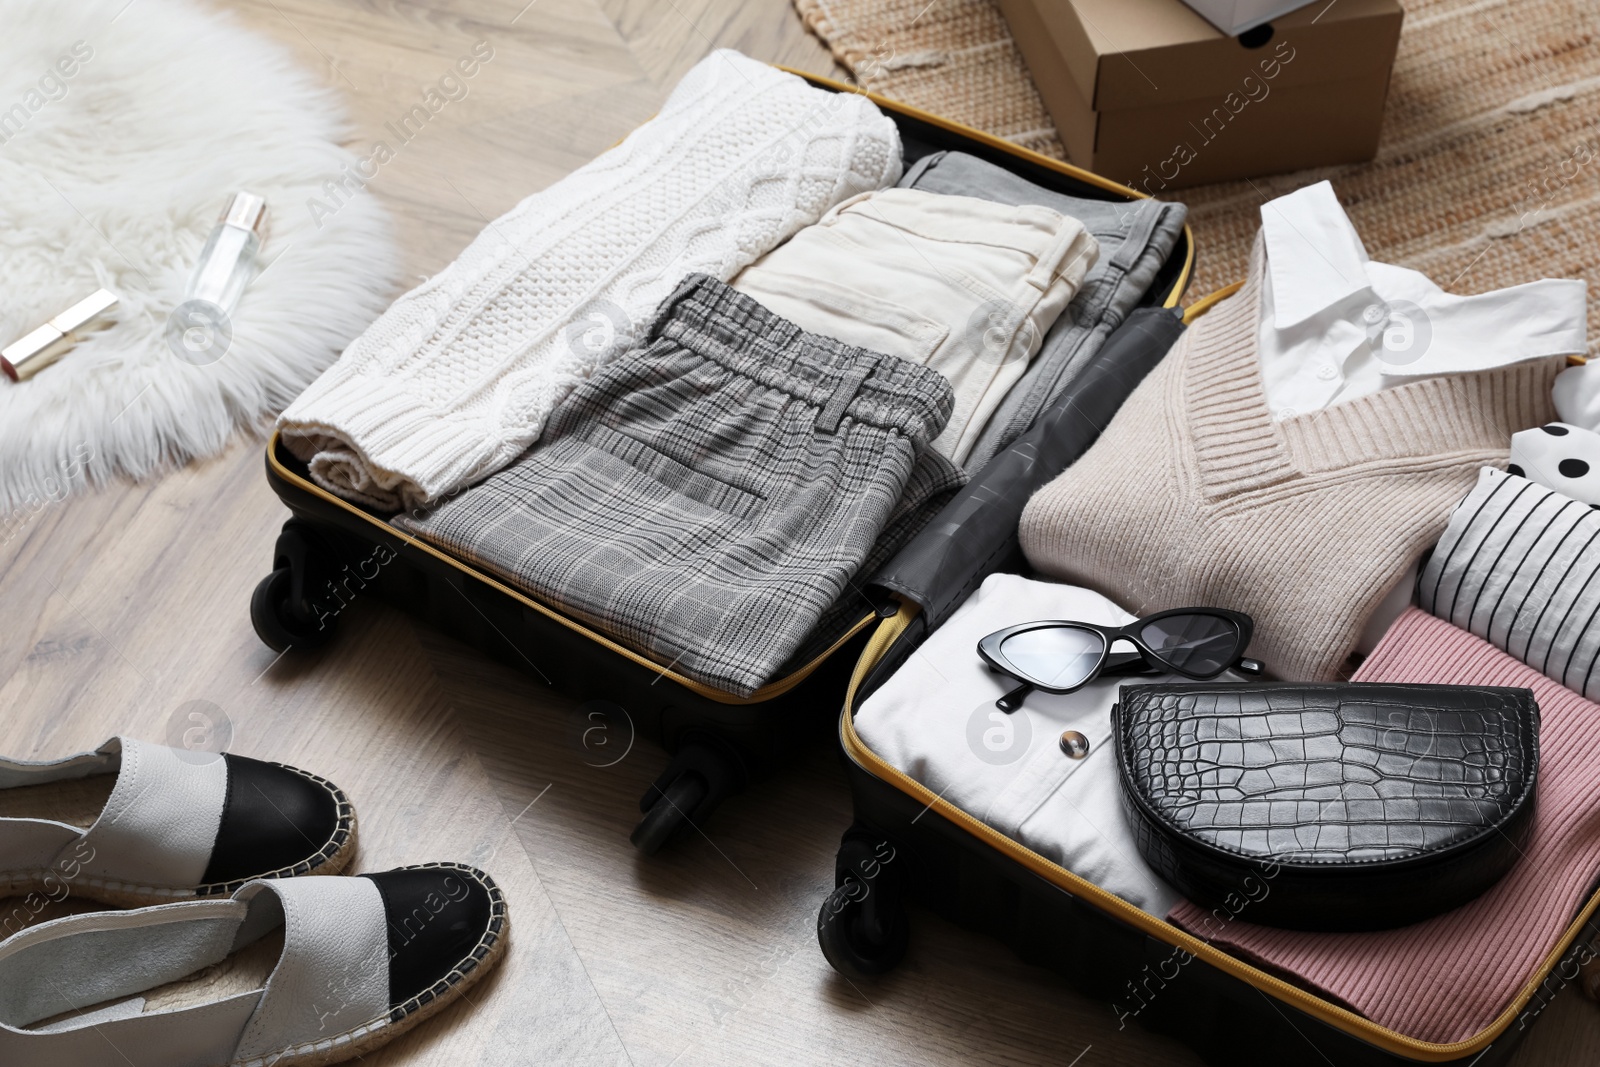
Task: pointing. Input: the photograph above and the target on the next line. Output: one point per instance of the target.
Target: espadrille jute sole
(483, 958)
(58, 884)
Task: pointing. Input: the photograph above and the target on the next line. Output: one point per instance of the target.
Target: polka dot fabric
(1559, 456)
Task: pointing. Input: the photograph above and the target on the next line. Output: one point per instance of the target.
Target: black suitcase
(331, 549)
(908, 845)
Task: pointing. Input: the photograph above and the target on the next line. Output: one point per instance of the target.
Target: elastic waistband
(737, 332)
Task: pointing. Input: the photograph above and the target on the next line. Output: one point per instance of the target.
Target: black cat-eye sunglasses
(1061, 656)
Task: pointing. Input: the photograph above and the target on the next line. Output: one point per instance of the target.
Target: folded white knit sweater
(458, 376)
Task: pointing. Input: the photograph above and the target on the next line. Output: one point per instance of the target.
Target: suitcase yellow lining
(782, 685)
(1357, 1026)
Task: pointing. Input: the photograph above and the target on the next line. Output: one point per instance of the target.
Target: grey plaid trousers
(708, 497)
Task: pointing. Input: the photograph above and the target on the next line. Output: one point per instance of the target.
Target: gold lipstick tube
(37, 349)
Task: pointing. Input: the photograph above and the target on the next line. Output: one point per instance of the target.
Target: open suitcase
(909, 845)
(331, 548)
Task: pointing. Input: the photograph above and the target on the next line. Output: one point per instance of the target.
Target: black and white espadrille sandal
(133, 824)
(294, 972)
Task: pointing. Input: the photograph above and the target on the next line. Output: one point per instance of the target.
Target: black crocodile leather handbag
(1360, 806)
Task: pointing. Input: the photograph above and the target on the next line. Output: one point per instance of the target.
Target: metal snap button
(1074, 744)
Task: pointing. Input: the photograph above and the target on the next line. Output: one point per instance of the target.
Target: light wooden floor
(123, 610)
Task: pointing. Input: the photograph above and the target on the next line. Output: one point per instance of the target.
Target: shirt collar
(1323, 282)
(1314, 254)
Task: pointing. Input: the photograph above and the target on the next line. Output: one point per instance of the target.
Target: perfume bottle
(228, 261)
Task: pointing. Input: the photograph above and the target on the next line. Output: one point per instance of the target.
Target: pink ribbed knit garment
(1446, 979)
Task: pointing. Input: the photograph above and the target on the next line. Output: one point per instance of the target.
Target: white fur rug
(113, 175)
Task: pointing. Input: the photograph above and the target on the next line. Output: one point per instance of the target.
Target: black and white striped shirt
(1519, 566)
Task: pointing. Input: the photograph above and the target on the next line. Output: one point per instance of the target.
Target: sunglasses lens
(1055, 657)
(1201, 645)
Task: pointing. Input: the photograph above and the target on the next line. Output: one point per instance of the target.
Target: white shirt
(936, 720)
(1336, 325)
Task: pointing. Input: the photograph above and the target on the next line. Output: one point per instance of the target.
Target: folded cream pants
(964, 286)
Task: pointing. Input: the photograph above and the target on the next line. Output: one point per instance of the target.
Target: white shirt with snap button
(1045, 775)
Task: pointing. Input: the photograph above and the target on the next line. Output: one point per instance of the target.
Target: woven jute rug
(1488, 173)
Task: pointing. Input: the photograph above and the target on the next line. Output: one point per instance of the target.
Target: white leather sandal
(134, 824)
(297, 972)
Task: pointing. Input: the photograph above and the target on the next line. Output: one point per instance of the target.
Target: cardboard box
(1233, 17)
(1148, 93)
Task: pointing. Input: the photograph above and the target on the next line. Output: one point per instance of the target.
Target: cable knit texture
(1447, 978)
(1196, 495)
(457, 377)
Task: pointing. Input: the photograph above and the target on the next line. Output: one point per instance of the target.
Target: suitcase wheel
(670, 812)
(863, 926)
(702, 774)
(283, 608)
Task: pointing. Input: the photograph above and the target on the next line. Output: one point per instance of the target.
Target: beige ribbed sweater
(1195, 495)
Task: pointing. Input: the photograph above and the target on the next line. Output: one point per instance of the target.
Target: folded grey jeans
(1135, 237)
